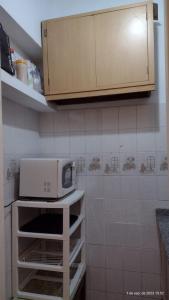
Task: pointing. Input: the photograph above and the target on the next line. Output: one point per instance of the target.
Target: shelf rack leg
(83, 232)
(15, 227)
(66, 253)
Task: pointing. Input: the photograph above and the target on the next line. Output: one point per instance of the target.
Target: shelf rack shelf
(17, 91)
(60, 264)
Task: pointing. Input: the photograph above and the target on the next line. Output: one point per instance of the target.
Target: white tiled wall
(21, 138)
(122, 242)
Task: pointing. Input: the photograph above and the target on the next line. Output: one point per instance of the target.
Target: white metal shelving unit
(57, 260)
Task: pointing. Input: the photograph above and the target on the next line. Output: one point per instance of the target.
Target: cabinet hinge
(147, 70)
(45, 32)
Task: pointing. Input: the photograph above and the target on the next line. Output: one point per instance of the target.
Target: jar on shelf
(22, 70)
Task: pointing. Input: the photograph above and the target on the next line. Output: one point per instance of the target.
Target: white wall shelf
(20, 37)
(17, 91)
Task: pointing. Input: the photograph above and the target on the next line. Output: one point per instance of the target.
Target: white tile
(96, 256)
(93, 119)
(93, 142)
(113, 210)
(131, 259)
(161, 139)
(146, 116)
(61, 143)
(129, 187)
(7, 194)
(149, 237)
(47, 144)
(132, 281)
(127, 297)
(77, 143)
(131, 211)
(150, 261)
(95, 232)
(114, 257)
(114, 297)
(114, 281)
(8, 242)
(132, 235)
(123, 211)
(96, 279)
(110, 118)
(47, 123)
(9, 146)
(61, 121)
(93, 295)
(109, 142)
(161, 115)
(163, 188)
(127, 117)
(146, 140)
(112, 187)
(94, 186)
(115, 233)
(147, 188)
(76, 120)
(127, 141)
(94, 208)
(81, 183)
(150, 282)
(147, 214)
(8, 112)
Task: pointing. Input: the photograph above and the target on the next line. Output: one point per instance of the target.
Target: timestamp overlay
(145, 293)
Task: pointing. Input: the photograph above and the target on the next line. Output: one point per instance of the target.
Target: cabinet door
(71, 55)
(122, 47)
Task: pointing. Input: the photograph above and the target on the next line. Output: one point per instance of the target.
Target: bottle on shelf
(22, 70)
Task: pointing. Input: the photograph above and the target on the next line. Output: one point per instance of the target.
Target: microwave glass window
(67, 176)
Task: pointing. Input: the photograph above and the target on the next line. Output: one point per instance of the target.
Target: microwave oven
(46, 177)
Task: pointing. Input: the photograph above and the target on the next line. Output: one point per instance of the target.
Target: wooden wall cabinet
(99, 53)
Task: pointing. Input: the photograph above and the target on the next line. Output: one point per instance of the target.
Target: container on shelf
(22, 70)
(36, 79)
(30, 73)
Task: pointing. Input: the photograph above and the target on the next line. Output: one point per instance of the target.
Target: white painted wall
(66, 7)
(28, 14)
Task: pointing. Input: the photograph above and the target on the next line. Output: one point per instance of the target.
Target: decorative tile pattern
(147, 164)
(111, 164)
(81, 165)
(129, 164)
(164, 164)
(94, 164)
